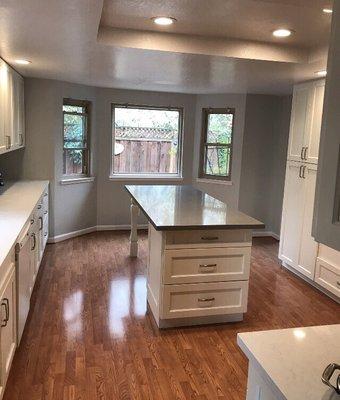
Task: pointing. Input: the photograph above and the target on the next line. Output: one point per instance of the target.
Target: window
(76, 157)
(216, 143)
(146, 140)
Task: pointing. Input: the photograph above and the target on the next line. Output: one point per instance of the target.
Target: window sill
(215, 181)
(71, 181)
(151, 178)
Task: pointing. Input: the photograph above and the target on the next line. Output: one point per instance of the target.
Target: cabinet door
(292, 214)
(8, 326)
(8, 107)
(312, 137)
(5, 98)
(308, 246)
(302, 102)
(18, 138)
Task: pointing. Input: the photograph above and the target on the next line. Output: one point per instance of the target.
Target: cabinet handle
(8, 139)
(41, 223)
(305, 153)
(21, 143)
(34, 241)
(32, 221)
(39, 207)
(206, 299)
(302, 151)
(209, 237)
(45, 212)
(300, 171)
(208, 267)
(5, 303)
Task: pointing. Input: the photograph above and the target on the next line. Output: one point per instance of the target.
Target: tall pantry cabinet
(12, 118)
(298, 249)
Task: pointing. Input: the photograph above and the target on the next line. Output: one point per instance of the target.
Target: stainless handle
(5, 303)
(300, 171)
(301, 154)
(327, 375)
(39, 206)
(209, 237)
(34, 241)
(8, 144)
(305, 153)
(32, 221)
(45, 212)
(208, 267)
(21, 143)
(303, 172)
(41, 223)
(206, 299)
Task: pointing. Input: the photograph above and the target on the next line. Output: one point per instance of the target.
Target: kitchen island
(199, 255)
(288, 363)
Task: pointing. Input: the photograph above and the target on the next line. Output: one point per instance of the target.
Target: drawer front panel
(203, 299)
(207, 237)
(206, 265)
(328, 276)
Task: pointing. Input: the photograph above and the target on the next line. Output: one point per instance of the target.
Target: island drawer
(204, 299)
(206, 265)
(328, 276)
(207, 238)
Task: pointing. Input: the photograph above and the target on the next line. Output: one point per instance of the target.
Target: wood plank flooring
(89, 336)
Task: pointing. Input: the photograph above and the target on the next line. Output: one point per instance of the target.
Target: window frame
(87, 149)
(151, 175)
(204, 144)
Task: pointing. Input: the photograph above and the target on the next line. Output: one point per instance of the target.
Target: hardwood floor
(89, 337)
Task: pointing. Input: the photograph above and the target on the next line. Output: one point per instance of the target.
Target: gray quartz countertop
(181, 207)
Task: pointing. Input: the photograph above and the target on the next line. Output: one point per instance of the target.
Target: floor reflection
(73, 306)
(127, 299)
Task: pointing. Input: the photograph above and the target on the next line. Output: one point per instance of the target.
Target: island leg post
(134, 209)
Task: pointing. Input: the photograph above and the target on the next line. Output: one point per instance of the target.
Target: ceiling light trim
(163, 20)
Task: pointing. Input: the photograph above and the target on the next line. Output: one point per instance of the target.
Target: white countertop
(17, 200)
(294, 359)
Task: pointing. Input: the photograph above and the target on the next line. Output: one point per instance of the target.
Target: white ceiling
(64, 40)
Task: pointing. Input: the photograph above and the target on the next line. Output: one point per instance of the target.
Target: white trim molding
(71, 181)
(266, 234)
(80, 232)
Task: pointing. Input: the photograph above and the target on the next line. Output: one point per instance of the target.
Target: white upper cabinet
(12, 118)
(306, 120)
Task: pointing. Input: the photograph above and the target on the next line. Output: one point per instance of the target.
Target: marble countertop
(17, 201)
(179, 207)
(294, 359)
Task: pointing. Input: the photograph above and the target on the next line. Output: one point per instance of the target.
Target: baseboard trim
(80, 232)
(266, 234)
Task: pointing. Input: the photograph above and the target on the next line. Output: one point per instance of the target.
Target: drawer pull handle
(208, 267)
(206, 299)
(5, 303)
(209, 237)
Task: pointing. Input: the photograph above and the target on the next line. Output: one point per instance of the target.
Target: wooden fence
(145, 156)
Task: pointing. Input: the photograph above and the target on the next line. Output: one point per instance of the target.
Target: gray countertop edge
(192, 227)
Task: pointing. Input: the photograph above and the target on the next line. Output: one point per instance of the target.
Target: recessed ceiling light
(23, 62)
(321, 73)
(164, 20)
(327, 10)
(282, 32)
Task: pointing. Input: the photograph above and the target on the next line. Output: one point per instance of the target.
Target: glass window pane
(74, 162)
(146, 141)
(217, 161)
(220, 127)
(74, 130)
(75, 109)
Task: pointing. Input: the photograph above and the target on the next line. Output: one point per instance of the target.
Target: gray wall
(259, 153)
(265, 141)
(224, 192)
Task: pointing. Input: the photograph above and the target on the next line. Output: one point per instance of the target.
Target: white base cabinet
(192, 282)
